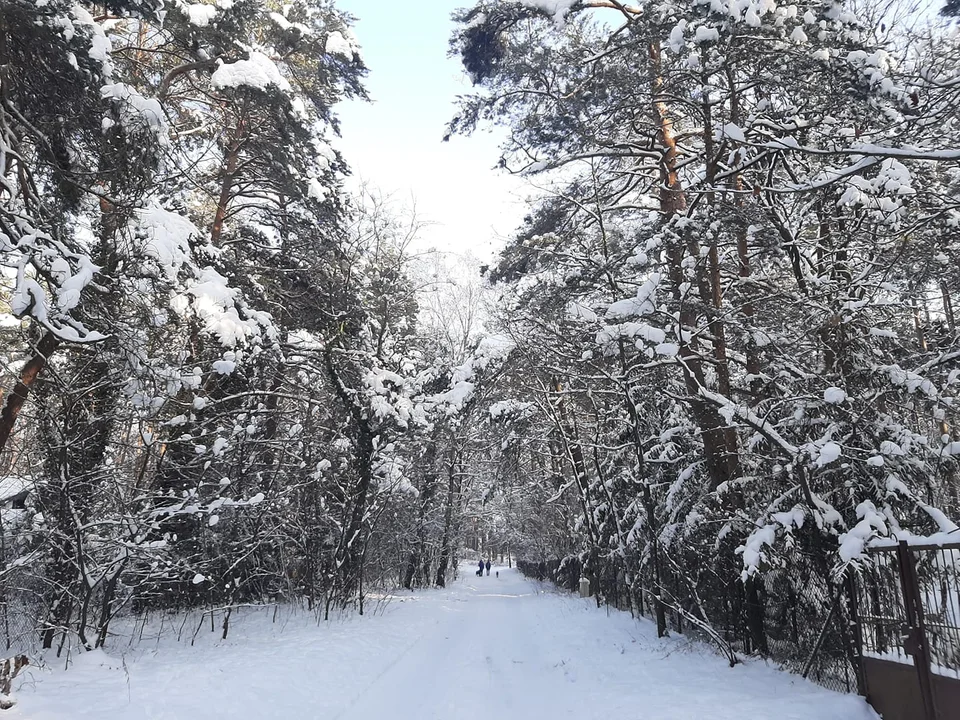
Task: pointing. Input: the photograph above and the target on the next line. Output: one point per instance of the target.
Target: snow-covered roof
(13, 485)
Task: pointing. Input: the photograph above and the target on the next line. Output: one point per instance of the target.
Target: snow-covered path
(491, 648)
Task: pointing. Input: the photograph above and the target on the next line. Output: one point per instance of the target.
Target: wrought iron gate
(907, 603)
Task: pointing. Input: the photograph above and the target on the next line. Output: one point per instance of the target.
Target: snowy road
(490, 648)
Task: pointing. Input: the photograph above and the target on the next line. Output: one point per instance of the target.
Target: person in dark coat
(480, 571)
(488, 568)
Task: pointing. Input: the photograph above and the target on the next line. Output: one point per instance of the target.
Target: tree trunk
(673, 202)
(417, 566)
(230, 162)
(28, 376)
(453, 493)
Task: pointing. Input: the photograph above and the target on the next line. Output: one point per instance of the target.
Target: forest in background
(718, 360)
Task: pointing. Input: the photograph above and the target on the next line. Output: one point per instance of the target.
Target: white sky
(395, 142)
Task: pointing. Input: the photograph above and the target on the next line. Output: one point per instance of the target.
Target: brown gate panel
(947, 692)
(894, 692)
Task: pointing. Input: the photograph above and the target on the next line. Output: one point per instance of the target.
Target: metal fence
(18, 613)
(19, 593)
(907, 600)
(803, 619)
(807, 624)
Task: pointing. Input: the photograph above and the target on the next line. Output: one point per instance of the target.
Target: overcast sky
(395, 142)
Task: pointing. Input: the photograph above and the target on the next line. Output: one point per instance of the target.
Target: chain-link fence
(18, 625)
(19, 610)
(791, 615)
(807, 627)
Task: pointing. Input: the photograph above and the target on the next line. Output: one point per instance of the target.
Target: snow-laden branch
(730, 409)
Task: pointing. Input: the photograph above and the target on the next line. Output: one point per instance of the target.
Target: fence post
(584, 587)
(808, 665)
(856, 644)
(917, 636)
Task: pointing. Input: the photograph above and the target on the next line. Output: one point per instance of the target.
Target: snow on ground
(490, 648)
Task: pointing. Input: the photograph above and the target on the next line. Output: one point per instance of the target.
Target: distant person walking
(488, 568)
(480, 571)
